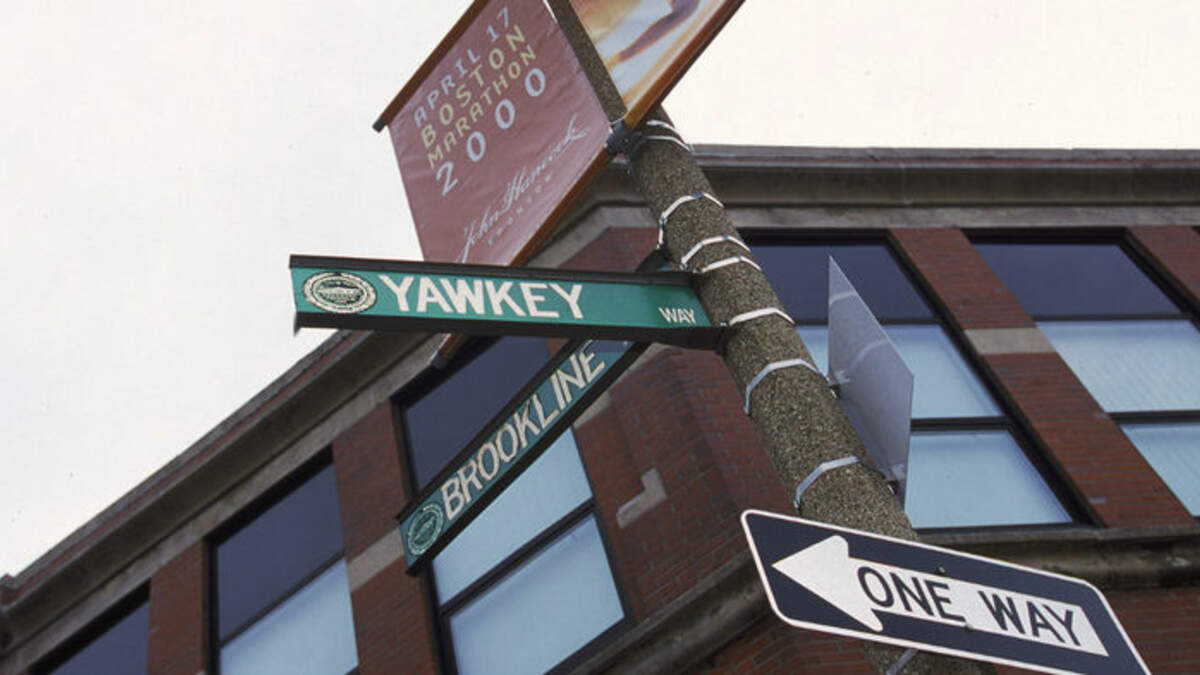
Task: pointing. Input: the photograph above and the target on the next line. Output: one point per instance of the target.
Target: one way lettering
(863, 589)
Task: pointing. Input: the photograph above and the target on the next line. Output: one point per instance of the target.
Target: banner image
(647, 44)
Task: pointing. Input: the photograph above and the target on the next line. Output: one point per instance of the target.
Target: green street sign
(509, 443)
(493, 300)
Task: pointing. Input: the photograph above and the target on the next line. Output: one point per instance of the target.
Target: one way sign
(837, 580)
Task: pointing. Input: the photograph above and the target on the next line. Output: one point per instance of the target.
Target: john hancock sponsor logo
(339, 292)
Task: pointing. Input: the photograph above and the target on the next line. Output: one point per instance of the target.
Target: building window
(965, 466)
(115, 643)
(528, 584)
(1134, 349)
(282, 599)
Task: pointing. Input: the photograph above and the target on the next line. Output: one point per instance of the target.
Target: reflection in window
(282, 595)
(965, 467)
(528, 583)
(1130, 345)
(963, 478)
(1174, 452)
(547, 592)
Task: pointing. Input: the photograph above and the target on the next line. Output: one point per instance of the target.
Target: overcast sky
(160, 161)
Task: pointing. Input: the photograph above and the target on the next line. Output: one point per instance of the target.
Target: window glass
(1173, 449)
(551, 487)
(800, 276)
(546, 609)
(966, 477)
(1084, 280)
(527, 583)
(119, 649)
(276, 552)
(943, 384)
(462, 398)
(972, 478)
(816, 338)
(310, 633)
(1132, 366)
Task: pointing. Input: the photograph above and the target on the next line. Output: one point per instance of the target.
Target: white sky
(160, 161)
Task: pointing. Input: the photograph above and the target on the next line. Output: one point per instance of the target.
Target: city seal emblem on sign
(425, 528)
(339, 292)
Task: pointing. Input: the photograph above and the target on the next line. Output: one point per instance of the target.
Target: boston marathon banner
(494, 134)
(648, 44)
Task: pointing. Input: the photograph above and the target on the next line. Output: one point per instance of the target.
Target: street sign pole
(797, 417)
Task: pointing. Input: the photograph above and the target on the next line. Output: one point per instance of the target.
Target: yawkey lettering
(483, 297)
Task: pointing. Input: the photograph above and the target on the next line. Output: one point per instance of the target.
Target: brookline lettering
(863, 588)
(485, 298)
(520, 431)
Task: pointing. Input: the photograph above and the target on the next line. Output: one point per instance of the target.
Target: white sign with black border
(837, 580)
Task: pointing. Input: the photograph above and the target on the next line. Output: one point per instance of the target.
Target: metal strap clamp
(726, 262)
(676, 139)
(758, 314)
(901, 662)
(821, 469)
(772, 367)
(721, 238)
(667, 212)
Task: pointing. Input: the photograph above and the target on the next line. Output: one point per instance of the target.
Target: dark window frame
(94, 630)
(244, 516)
(1142, 259)
(441, 612)
(1009, 419)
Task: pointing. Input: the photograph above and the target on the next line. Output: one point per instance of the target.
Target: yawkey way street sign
(509, 443)
(847, 582)
(491, 300)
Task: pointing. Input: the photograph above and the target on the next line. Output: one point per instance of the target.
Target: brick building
(1047, 302)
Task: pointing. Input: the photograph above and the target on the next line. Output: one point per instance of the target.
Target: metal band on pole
(709, 242)
(758, 314)
(901, 662)
(671, 139)
(726, 262)
(695, 196)
(772, 367)
(817, 473)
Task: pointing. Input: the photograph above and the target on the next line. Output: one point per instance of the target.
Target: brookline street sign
(837, 580)
(492, 300)
(530, 422)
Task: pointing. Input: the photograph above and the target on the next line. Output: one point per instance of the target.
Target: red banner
(495, 134)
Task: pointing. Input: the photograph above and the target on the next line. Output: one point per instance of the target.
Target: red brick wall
(772, 647)
(1116, 482)
(1164, 625)
(370, 479)
(178, 641)
(677, 411)
(1177, 252)
(1107, 474)
(971, 293)
(392, 627)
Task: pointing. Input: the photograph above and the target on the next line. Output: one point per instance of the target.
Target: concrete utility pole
(797, 417)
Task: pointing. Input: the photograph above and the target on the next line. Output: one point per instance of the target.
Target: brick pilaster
(178, 641)
(1108, 474)
(391, 623)
(1176, 253)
